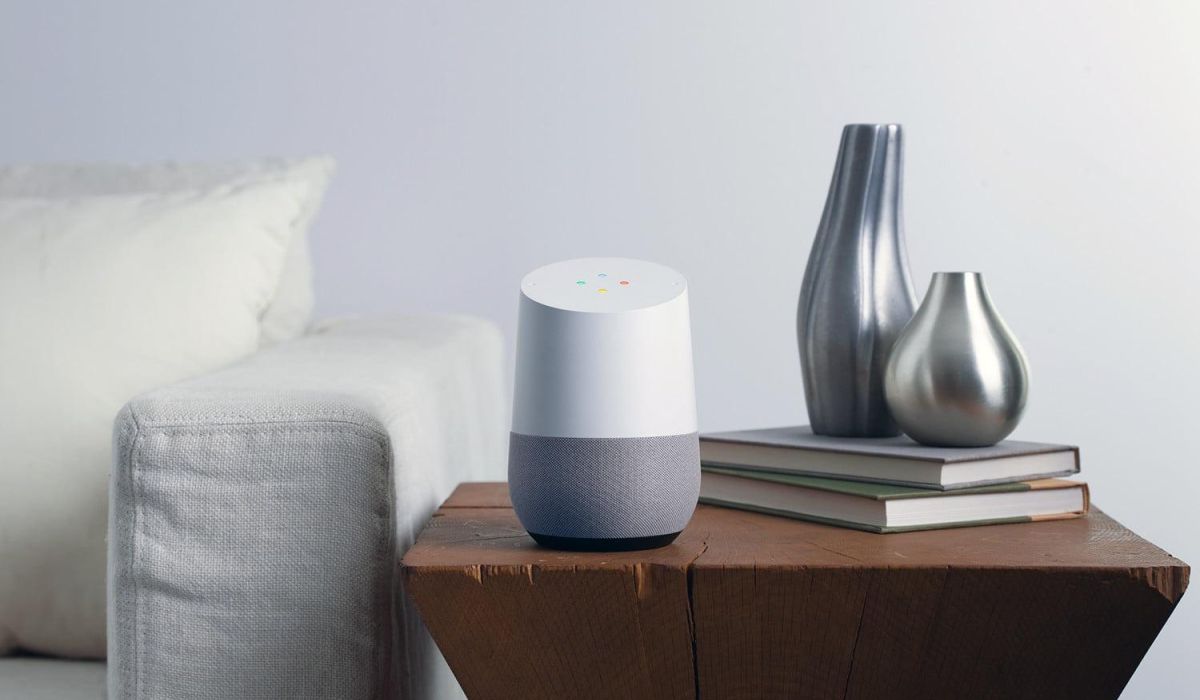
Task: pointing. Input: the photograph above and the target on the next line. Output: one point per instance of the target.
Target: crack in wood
(862, 615)
(691, 617)
(480, 538)
(833, 551)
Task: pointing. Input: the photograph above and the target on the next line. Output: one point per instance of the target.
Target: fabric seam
(134, 549)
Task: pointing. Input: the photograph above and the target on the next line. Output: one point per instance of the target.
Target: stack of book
(888, 484)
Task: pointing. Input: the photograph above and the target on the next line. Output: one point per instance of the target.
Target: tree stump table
(745, 605)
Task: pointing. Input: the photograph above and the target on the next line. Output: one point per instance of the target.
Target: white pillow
(102, 298)
(288, 314)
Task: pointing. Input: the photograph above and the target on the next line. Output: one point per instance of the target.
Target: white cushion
(102, 298)
(290, 309)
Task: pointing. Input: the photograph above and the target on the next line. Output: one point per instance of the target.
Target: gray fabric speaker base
(604, 544)
(604, 488)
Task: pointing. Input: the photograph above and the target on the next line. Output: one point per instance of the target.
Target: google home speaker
(604, 453)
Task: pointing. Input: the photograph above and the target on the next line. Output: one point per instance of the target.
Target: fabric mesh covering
(604, 487)
(258, 514)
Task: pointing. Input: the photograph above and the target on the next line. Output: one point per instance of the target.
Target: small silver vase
(857, 294)
(956, 376)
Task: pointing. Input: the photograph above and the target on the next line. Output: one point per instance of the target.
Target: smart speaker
(604, 453)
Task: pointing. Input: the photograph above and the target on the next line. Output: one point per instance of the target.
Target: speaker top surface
(604, 350)
(603, 285)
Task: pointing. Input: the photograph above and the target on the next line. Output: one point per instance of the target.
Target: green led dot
(580, 282)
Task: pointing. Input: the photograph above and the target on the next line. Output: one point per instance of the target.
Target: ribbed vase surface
(857, 293)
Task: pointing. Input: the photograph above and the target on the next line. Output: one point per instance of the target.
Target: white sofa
(258, 514)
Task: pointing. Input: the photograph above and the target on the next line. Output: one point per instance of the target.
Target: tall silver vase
(957, 377)
(857, 294)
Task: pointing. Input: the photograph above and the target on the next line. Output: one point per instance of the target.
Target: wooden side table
(748, 605)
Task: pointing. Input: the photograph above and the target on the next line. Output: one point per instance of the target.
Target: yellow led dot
(602, 290)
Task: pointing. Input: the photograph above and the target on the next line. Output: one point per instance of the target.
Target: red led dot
(624, 283)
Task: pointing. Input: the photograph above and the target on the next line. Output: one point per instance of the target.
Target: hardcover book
(885, 508)
(898, 460)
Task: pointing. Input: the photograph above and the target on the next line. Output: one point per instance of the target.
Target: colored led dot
(602, 275)
(624, 283)
(602, 290)
(580, 282)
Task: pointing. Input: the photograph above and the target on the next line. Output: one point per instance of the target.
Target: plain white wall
(1053, 146)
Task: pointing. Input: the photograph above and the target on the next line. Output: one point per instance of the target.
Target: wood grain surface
(745, 605)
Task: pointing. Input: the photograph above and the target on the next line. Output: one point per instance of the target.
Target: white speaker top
(604, 350)
(603, 285)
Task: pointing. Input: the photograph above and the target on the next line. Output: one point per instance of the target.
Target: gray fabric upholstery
(33, 678)
(258, 514)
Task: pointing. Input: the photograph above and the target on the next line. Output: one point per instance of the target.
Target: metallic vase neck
(961, 285)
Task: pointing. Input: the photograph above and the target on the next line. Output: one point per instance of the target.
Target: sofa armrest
(257, 514)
